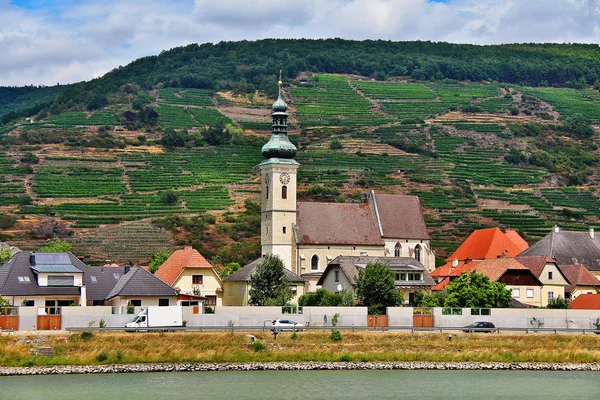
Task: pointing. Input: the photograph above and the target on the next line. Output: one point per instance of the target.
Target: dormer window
(61, 280)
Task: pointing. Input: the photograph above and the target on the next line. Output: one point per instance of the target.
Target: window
(61, 280)
(211, 301)
(314, 262)
(197, 279)
(24, 279)
(28, 303)
(418, 253)
(284, 192)
(336, 275)
(163, 302)
(136, 303)
(529, 293)
(403, 276)
(284, 229)
(267, 192)
(516, 293)
(189, 303)
(549, 274)
(550, 297)
(93, 279)
(397, 276)
(397, 250)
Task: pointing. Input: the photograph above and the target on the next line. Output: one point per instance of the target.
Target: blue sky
(50, 41)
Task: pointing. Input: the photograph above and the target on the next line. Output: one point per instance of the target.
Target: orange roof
(489, 243)
(586, 302)
(170, 270)
(495, 268)
(442, 285)
(578, 275)
(464, 267)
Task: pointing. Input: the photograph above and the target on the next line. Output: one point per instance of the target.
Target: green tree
(216, 135)
(56, 246)
(579, 125)
(474, 290)
(558, 303)
(375, 288)
(4, 302)
(157, 260)
(170, 138)
(5, 255)
(434, 299)
(268, 283)
(169, 198)
(229, 269)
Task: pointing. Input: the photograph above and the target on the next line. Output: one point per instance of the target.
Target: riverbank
(295, 366)
(104, 351)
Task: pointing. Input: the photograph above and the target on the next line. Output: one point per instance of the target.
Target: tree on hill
(171, 138)
(268, 283)
(375, 288)
(56, 246)
(157, 260)
(475, 290)
(228, 269)
(5, 255)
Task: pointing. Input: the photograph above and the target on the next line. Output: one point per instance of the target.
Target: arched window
(314, 262)
(418, 253)
(284, 192)
(397, 250)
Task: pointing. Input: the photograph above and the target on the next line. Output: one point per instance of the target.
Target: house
(569, 248)
(55, 280)
(307, 236)
(126, 286)
(524, 286)
(410, 275)
(581, 281)
(586, 302)
(546, 270)
(43, 280)
(236, 287)
(482, 244)
(191, 275)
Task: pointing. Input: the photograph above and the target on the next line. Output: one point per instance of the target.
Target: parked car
(286, 325)
(480, 326)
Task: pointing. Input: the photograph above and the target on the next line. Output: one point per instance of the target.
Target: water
(307, 385)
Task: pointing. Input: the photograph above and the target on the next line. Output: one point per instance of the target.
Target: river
(306, 385)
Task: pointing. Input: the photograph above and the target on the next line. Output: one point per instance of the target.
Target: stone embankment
(293, 366)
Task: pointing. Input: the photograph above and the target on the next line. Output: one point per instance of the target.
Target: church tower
(278, 173)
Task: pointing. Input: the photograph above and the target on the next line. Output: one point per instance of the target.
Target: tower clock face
(284, 178)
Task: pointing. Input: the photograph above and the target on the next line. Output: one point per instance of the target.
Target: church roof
(568, 248)
(400, 216)
(337, 223)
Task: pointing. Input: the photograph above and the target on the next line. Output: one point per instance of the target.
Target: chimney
(556, 229)
(455, 262)
(32, 259)
(127, 268)
(592, 233)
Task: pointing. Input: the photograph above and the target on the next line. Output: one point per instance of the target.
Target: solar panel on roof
(52, 258)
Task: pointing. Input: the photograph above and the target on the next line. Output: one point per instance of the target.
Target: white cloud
(79, 40)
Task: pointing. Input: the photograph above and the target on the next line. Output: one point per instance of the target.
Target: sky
(45, 42)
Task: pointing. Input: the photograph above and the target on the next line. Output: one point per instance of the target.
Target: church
(309, 235)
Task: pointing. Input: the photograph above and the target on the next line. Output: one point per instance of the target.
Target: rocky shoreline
(293, 366)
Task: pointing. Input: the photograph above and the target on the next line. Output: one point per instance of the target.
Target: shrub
(30, 158)
(102, 356)
(102, 323)
(85, 335)
(336, 145)
(294, 336)
(335, 335)
(346, 357)
(257, 346)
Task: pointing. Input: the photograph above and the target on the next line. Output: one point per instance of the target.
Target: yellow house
(189, 273)
(581, 280)
(237, 285)
(546, 270)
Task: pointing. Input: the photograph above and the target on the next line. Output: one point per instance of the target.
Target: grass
(111, 348)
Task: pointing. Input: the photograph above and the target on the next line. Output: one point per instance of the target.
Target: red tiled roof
(464, 267)
(442, 285)
(578, 275)
(495, 268)
(535, 263)
(401, 216)
(517, 240)
(337, 223)
(586, 302)
(488, 243)
(180, 259)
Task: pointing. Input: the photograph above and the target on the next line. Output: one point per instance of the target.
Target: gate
(423, 317)
(48, 318)
(377, 321)
(9, 318)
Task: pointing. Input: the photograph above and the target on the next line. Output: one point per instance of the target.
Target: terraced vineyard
(569, 101)
(384, 91)
(330, 101)
(69, 119)
(192, 97)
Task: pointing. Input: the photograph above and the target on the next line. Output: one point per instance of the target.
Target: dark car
(480, 326)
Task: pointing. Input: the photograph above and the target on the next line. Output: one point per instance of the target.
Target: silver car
(286, 325)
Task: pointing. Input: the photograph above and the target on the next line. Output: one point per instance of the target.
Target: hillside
(90, 165)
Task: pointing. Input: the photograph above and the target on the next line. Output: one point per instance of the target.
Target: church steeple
(279, 146)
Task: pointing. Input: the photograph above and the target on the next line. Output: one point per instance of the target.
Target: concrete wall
(400, 316)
